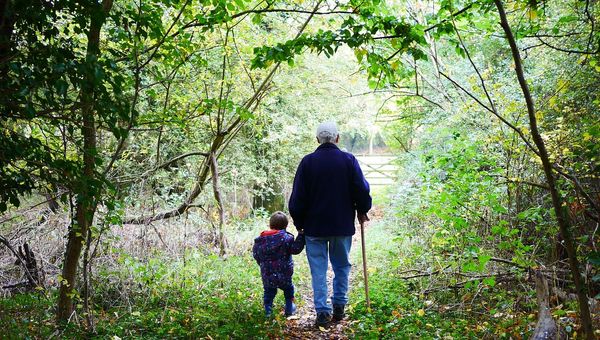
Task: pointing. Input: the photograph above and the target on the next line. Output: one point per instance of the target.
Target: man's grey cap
(327, 130)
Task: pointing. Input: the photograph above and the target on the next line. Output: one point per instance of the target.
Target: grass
(400, 311)
(201, 295)
(208, 296)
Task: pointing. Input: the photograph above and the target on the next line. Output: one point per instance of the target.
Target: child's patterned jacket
(273, 251)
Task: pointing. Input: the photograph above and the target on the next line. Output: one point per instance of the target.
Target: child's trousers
(269, 296)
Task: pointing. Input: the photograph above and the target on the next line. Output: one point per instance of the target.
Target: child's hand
(301, 232)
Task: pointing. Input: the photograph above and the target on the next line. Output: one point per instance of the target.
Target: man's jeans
(318, 250)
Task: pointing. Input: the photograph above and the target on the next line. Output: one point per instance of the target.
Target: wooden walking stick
(364, 261)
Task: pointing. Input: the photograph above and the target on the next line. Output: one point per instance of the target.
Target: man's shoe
(338, 312)
(323, 319)
(290, 309)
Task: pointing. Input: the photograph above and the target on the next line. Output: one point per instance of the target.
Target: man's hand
(362, 218)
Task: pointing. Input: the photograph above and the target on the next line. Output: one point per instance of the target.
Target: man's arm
(297, 245)
(297, 203)
(360, 192)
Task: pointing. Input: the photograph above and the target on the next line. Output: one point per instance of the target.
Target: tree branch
(509, 124)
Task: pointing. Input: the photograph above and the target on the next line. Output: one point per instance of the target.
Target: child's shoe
(268, 311)
(290, 308)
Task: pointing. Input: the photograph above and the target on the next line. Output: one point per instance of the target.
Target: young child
(273, 251)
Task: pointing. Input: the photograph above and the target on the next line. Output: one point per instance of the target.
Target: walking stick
(364, 261)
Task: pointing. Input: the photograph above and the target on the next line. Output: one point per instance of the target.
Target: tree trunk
(219, 200)
(87, 196)
(6, 29)
(545, 327)
(86, 281)
(562, 217)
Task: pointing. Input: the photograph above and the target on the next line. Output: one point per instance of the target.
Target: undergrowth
(208, 296)
(399, 309)
(201, 295)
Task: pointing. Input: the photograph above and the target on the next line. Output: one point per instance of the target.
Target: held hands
(362, 218)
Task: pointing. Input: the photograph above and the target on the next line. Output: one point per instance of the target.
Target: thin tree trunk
(6, 29)
(86, 282)
(546, 326)
(86, 198)
(562, 217)
(217, 193)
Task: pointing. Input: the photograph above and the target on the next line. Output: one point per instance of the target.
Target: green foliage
(205, 296)
(31, 315)
(460, 179)
(168, 78)
(45, 69)
(354, 32)
(400, 310)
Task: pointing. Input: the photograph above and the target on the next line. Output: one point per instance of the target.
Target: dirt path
(302, 325)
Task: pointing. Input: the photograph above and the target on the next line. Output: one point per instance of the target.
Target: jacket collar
(270, 232)
(327, 146)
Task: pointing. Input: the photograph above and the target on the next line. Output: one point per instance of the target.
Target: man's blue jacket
(329, 188)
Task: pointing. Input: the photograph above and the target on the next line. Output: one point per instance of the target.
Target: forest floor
(205, 296)
(302, 325)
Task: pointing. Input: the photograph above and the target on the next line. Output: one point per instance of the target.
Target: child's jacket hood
(270, 232)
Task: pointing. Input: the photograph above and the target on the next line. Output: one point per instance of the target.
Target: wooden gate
(379, 170)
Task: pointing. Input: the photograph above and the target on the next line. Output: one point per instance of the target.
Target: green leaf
(257, 19)
(359, 53)
(594, 258)
(490, 281)
(568, 18)
(244, 114)
(470, 266)
(484, 259)
(373, 84)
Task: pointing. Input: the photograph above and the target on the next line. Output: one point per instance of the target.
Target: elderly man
(329, 189)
